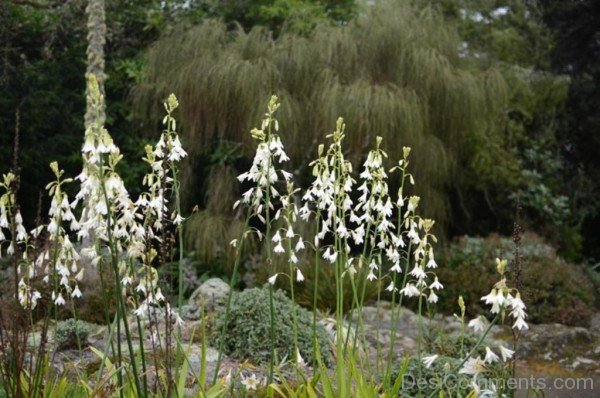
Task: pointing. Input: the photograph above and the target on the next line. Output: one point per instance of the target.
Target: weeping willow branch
(395, 71)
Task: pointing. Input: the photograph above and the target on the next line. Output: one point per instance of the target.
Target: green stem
(229, 296)
(121, 309)
(294, 315)
(315, 295)
(466, 358)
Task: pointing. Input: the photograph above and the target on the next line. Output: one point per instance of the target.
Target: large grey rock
(212, 294)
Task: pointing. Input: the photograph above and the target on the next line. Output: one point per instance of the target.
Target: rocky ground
(548, 354)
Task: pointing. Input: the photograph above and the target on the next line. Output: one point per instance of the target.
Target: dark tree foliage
(43, 61)
(576, 28)
(42, 55)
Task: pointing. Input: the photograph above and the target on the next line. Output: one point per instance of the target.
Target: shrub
(247, 333)
(70, 334)
(554, 290)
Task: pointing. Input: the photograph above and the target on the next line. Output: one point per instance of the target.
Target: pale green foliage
(247, 333)
(70, 334)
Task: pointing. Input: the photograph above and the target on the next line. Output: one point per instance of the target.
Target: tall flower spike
(15, 239)
(374, 210)
(418, 244)
(62, 267)
(265, 173)
(285, 237)
(329, 194)
(152, 207)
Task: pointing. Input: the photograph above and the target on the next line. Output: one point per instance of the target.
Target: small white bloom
(251, 382)
(505, 353)
(433, 298)
(428, 361)
(410, 290)
(473, 366)
(289, 233)
(299, 276)
(477, 324)
(276, 238)
(520, 324)
(490, 356)
(279, 248)
(273, 279)
(436, 284)
(59, 300)
(76, 293)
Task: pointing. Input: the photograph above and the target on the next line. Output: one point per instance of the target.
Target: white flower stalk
(61, 260)
(329, 198)
(264, 172)
(108, 212)
(286, 241)
(15, 239)
(412, 242)
(285, 236)
(374, 209)
(153, 211)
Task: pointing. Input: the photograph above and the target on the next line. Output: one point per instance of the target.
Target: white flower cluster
(329, 198)
(417, 232)
(152, 208)
(502, 298)
(286, 235)
(15, 238)
(108, 214)
(263, 198)
(374, 210)
(263, 173)
(110, 222)
(60, 261)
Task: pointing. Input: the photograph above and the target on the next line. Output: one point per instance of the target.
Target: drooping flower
(490, 356)
(505, 353)
(473, 366)
(477, 324)
(429, 360)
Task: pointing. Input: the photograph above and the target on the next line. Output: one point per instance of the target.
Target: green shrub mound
(70, 334)
(247, 332)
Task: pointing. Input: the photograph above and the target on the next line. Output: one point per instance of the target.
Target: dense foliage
(499, 96)
(557, 291)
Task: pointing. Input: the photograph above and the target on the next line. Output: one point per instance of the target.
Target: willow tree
(395, 71)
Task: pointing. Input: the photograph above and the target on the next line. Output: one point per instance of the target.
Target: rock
(212, 294)
(595, 322)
